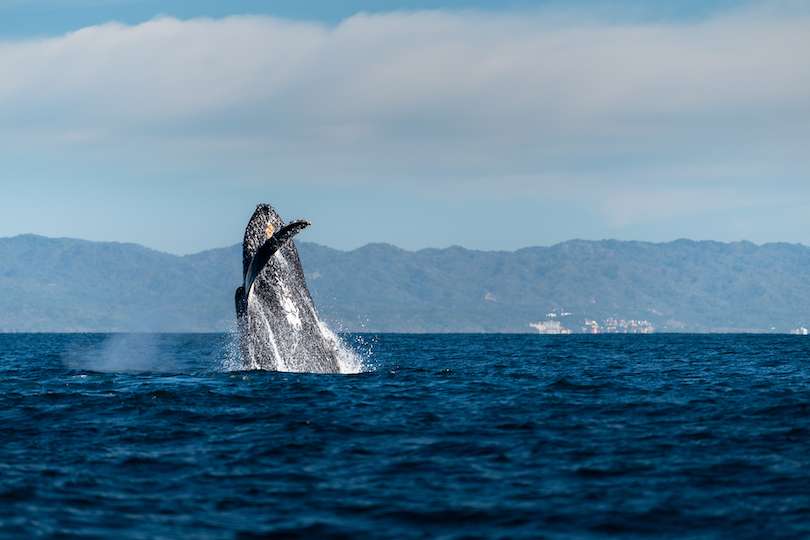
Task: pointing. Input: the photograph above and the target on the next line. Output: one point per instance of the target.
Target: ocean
(452, 436)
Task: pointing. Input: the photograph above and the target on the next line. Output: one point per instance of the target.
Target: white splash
(349, 361)
(289, 343)
(231, 359)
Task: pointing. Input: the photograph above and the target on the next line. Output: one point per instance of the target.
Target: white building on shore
(550, 327)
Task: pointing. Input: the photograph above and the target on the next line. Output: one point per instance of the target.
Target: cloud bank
(637, 120)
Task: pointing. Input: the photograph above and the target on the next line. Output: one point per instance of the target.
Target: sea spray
(142, 352)
(350, 360)
(121, 353)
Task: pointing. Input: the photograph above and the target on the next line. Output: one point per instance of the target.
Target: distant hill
(676, 286)
(67, 285)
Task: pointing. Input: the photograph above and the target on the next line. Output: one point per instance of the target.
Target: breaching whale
(278, 326)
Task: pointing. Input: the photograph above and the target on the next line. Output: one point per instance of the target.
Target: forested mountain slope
(68, 285)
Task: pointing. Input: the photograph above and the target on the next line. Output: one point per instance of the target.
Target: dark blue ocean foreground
(150, 436)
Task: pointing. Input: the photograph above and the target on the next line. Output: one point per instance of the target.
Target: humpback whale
(279, 329)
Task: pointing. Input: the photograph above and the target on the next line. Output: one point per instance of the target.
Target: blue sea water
(150, 436)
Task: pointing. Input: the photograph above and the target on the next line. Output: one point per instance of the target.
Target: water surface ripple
(446, 436)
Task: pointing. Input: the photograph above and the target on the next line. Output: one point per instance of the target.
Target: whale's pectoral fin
(241, 303)
(268, 249)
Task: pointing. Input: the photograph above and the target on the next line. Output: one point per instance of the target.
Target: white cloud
(506, 106)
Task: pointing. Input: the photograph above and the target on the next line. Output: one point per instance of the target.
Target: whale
(277, 323)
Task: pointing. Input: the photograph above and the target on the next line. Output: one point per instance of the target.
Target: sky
(489, 125)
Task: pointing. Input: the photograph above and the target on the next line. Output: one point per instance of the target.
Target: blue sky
(422, 124)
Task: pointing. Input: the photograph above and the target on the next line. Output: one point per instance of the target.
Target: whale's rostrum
(278, 326)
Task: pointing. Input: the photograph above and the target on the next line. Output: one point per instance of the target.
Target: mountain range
(69, 285)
